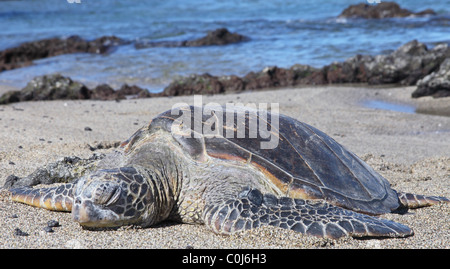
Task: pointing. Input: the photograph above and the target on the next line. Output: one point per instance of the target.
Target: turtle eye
(106, 194)
(114, 197)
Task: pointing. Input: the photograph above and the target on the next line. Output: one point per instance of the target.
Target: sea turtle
(308, 183)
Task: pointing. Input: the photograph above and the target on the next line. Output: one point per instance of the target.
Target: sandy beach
(412, 150)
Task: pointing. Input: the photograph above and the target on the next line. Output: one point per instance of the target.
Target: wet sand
(411, 150)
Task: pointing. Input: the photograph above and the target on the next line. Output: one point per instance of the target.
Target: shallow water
(282, 33)
(384, 105)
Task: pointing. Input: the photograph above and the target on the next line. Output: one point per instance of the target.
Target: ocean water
(282, 33)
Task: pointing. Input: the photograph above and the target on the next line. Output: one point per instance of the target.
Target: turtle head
(112, 198)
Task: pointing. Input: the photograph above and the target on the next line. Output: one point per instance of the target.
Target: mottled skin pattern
(155, 176)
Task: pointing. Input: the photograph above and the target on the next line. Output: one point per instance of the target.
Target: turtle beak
(81, 213)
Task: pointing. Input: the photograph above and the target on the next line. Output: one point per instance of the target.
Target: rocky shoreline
(24, 54)
(58, 87)
(411, 64)
(406, 66)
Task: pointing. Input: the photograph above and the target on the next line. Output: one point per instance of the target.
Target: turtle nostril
(78, 201)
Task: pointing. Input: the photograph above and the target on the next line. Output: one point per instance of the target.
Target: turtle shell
(306, 163)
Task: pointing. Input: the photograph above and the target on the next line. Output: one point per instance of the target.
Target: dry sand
(411, 150)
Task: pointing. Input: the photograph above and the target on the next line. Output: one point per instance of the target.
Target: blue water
(377, 104)
(282, 32)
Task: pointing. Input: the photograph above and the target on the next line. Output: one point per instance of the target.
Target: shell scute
(224, 149)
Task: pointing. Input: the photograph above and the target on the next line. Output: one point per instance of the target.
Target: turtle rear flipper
(58, 198)
(65, 170)
(251, 209)
(410, 200)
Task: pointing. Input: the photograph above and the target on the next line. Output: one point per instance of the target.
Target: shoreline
(431, 78)
(422, 105)
(410, 149)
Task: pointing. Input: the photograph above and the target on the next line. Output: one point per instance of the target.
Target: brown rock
(436, 84)
(103, 92)
(217, 37)
(24, 54)
(380, 11)
(48, 87)
(194, 84)
(133, 91)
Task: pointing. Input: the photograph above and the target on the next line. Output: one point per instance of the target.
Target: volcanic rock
(405, 66)
(380, 11)
(436, 84)
(24, 54)
(218, 37)
(49, 87)
(58, 87)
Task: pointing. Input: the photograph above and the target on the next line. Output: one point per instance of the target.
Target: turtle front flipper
(251, 209)
(410, 200)
(58, 198)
